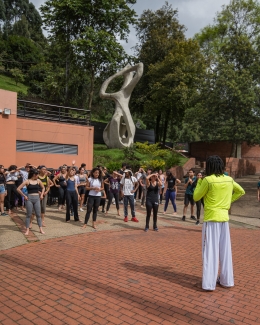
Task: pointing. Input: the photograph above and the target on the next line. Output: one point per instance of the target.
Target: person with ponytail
(218, 191)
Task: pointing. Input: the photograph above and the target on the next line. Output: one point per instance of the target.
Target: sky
(193, 14)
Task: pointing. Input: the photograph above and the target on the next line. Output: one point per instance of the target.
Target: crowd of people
(30, 186)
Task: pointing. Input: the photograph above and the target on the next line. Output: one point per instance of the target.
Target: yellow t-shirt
(218, 193)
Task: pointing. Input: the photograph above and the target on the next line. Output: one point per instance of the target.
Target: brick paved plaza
(121, 275)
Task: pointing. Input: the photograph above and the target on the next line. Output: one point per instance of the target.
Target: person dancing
(62, 186)
(218, 191)
(72, 195)
(153, 184)
(95, 185)
(3, 191)
(170, 193)
(32, 200)
(114, 183)
(82, 186)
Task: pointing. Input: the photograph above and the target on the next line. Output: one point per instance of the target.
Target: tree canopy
(229, 103)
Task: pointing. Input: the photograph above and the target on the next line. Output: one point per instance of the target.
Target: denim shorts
(2, 189)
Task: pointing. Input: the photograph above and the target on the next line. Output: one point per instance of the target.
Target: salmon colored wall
(60, 133)
(8, 99)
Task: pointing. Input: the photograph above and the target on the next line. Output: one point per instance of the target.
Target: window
(65, 149)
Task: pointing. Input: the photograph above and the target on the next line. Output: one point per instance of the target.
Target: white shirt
(24, 174)
(94, 182)
(138, 175)
(11, 176)
(128, 185)
(76, 177)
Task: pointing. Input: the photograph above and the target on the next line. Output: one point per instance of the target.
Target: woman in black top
(3, 192)
(153, 184)
(62, 186)
(200, 202)
(32, 199)
(170, 194)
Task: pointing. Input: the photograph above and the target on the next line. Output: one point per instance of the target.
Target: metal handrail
(55, 112)
(51, 105)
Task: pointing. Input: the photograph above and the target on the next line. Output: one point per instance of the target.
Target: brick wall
(240, 167)
(202, 150)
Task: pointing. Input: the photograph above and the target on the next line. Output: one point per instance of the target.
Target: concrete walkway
(121, 275)
(245, 214)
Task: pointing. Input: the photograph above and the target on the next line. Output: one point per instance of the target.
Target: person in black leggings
(11, 177)
(153, 184)
(72, 195)
(95, 185)
(200, 202)
(62, 186)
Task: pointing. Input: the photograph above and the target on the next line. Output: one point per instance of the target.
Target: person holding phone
(153, 184)
(170, 191)
(190, 183)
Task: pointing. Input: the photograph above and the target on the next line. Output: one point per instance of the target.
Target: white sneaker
(81, 210)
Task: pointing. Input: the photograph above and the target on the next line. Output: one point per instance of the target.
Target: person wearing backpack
(129, 186)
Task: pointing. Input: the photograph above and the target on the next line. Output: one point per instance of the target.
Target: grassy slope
(103, 155)
(8, 83)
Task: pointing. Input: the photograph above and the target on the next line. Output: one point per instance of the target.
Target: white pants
(216, 247)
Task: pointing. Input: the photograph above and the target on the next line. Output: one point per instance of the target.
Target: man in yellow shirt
(218, 191)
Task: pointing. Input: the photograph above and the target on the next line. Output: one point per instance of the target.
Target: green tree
(17, 74)
(174, 83)
(89, 32)
(229, 105)
(21, 28)
(157, 31)
(13, 11)
(21, 53)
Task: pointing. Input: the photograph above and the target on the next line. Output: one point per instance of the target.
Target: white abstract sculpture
(120, 131)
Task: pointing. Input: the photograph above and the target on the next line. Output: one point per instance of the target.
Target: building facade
(52, 143)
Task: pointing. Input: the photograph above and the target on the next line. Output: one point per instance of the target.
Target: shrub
(113, 165)
(154, 164)
(173, 160)
(151, 149)
(129, 153)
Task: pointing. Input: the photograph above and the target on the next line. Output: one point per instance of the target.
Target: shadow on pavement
(165, 273)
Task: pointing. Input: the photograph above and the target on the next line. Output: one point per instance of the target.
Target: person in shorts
(190, 183)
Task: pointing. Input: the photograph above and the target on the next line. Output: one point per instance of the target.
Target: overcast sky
(194, 14)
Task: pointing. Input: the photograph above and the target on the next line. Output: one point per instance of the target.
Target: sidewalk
(121, 275)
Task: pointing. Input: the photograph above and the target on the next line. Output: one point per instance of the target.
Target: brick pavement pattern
(127, 277)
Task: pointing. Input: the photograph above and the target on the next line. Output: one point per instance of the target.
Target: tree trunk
(234, 150)
(157, 128)
(239, 150)
(166, 122)
(91, 93)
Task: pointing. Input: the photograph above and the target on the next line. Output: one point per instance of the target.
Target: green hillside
(8, 83)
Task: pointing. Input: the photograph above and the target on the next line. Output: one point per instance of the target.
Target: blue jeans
(130, 199)
(170, 195)
(2, 189)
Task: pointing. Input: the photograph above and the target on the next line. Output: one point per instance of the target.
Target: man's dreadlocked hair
(214, 165)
